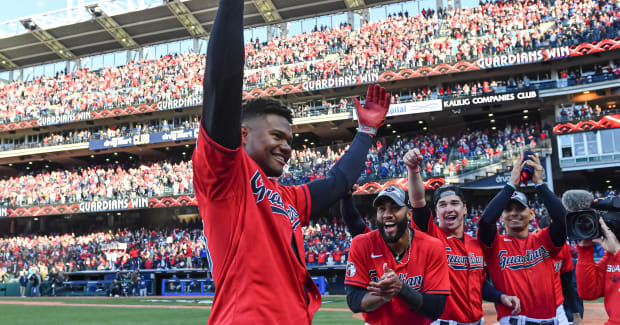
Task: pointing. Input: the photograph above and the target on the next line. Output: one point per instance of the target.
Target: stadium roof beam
(185, 17)
(268, 10)
(354, 4)
(7, 63)
(111, 26)
(47, 39)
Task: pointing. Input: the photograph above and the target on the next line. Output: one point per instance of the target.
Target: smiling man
(252, 224)
(396, 275)
(522, 263)
(464, 253)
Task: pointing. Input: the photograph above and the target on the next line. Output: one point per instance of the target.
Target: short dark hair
(448, 188)
(264, 106)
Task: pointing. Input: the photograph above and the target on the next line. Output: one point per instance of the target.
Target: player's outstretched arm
(557, 212)
(326, 191)
(488, 222)
(415, 185)
(352, 217)
(223, 80)
(590, 276)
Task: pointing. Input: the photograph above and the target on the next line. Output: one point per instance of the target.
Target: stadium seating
(397, 42)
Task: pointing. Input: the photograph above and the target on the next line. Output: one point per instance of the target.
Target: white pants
(560, 314)
(453, 322)
(522, 319)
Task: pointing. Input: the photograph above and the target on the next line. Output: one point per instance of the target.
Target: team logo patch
(351, 270)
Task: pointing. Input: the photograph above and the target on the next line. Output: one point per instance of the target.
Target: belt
(445, 322)
(516, 321)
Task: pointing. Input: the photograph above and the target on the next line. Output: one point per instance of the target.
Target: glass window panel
(120, 58)
(607, 141)
(377, 14)
(294, 28)
(338, 19)
(579, 145)
(187, 46)
(592, 139)
(616, 139)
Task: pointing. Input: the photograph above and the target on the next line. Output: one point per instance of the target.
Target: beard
(401, 227)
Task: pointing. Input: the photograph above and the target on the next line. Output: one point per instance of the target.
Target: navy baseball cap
(393, 192)
(519, 197)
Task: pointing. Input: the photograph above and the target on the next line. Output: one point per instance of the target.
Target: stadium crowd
(399, 41)
(177, 246)
(444, 156)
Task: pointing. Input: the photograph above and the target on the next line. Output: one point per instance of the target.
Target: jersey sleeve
(590, 276)
(436, 275)
(300, 196)
(216, 168)
(544, 237)
(567, 261)
(357, 265)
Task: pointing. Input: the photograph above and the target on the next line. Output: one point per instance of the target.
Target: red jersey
(524, 268)
(249, 221)
(466, 268)
(425, 271)
(600, 280)
(562, 263)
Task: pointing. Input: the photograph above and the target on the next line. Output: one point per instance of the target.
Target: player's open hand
(413, 159)
(534, 162)
(511, 302)
(372, 115)
(389, 285)
(609, 242)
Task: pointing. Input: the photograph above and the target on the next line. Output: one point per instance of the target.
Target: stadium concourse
(95, 149)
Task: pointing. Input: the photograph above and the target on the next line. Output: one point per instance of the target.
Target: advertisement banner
(523, 58)
(497, 181)
(340, 82)
(64, 118)
(114, 205)
(490, 99)
(111, 143)
(180, 103)
(425, 106)
(4, 212)
(185, 134)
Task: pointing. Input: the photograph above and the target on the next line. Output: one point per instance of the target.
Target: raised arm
(352, 218)
(326, 191)
(488, 222)
(223, 81)
(557, 212)
(421, 213)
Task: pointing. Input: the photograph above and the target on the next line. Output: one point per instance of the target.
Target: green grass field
(159, 311)
(139, 311)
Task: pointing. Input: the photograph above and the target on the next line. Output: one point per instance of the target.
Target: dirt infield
(594, 312)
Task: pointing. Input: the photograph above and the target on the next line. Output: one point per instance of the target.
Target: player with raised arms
(522, 263)
(252, 224)
(464, 253)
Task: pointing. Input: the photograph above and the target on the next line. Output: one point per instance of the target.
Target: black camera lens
(586, 226)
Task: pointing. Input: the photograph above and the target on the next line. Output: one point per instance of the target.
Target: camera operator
(600, 279)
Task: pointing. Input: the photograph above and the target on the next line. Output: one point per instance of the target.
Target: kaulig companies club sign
(490, 99)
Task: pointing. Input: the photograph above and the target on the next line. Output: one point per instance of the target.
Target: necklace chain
(407, 251)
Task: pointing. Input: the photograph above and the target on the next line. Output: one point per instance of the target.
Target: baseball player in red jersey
(396, 275)
(602, 279)
(521, 263)
(464, 253)
(252, 224)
